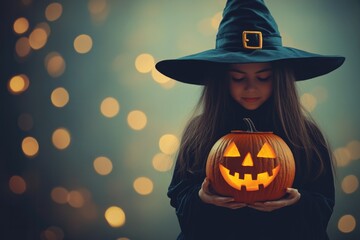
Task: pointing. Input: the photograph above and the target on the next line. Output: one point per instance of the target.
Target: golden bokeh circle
(342, 156)
(162, 162)
(22, 47)
(59, 195)
(55, 64)
(83, 43)
(169, 143)
(61, 138)
(143, 185)
(53, 11)
(76, 199)
(103, 165)
(115, 216)
(18, 84)
(144, 63)
(350, 184)
(59, 97)
(347, 223)
(38, 38)
(30, 146)
(137, 120)
(21, 25)
(308, 101)
(109, 107)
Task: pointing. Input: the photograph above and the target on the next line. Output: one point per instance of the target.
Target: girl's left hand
(292, 197)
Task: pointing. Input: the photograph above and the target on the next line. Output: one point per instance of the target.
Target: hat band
(247, 40)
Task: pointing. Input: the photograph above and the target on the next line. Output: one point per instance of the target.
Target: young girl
(250, 74)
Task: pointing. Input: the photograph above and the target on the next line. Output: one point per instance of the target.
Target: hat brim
(194, 68)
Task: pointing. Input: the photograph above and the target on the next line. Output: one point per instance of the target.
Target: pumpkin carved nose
(248, 160)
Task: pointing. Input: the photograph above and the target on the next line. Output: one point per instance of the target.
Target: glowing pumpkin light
(251, 166)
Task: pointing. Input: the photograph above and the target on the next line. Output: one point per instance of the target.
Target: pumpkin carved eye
(266, 151)
(232, 151)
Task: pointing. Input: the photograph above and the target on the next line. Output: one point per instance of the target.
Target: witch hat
(247, 34)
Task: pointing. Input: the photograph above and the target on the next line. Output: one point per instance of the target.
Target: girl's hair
(208, 123)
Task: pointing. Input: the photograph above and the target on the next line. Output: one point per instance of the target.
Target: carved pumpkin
(250, 166)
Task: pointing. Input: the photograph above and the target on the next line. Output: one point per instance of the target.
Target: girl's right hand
(207, 196)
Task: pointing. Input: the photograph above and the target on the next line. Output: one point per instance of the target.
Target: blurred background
(89, 129)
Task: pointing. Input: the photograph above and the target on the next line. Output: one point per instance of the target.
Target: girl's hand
(268, 206)
(207, 196)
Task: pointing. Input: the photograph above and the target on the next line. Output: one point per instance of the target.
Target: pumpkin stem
(250, 125)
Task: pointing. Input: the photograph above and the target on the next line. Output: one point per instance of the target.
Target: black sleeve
(196, 218)
(313, 211)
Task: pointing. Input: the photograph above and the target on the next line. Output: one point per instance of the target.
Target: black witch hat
(248, 34)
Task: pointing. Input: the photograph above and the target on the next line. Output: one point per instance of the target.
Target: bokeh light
(342, 156)
(83, 43)
(354, 149)
(159, 77)
(308, 101)
(144, 63)
(17, 184)
(61, 138)
(137, 120)
(59, 195)
(143, 185)
(103, 165)
(216, 19)
(55, 64)
(38, 38)
(30, 146)
(22, 47)
(18, 84)
(110, 107)
(76, 199)
(169, 143)
(53, 11)
(162, 162)
(59, 97)
(347, 223)
(98, 9)
(350, 184)
(21, 25)
(115, 216)
(52, 233)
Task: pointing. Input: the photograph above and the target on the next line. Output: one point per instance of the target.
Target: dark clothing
(305, 220)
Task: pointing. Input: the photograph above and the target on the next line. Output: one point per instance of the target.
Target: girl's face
(250, 84)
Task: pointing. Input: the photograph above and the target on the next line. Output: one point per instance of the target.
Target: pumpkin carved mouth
(248, 182)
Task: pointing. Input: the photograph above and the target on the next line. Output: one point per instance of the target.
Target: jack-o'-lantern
(250, 166)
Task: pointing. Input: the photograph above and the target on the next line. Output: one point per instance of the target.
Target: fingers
(205, 186)
(268, 206)
(208, 197)
(235, 205)
(227, 202)
(294, 194)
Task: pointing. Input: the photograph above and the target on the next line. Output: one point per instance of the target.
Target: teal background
(164, 29)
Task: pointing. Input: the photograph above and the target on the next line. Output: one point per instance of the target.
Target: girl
(250, 74)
